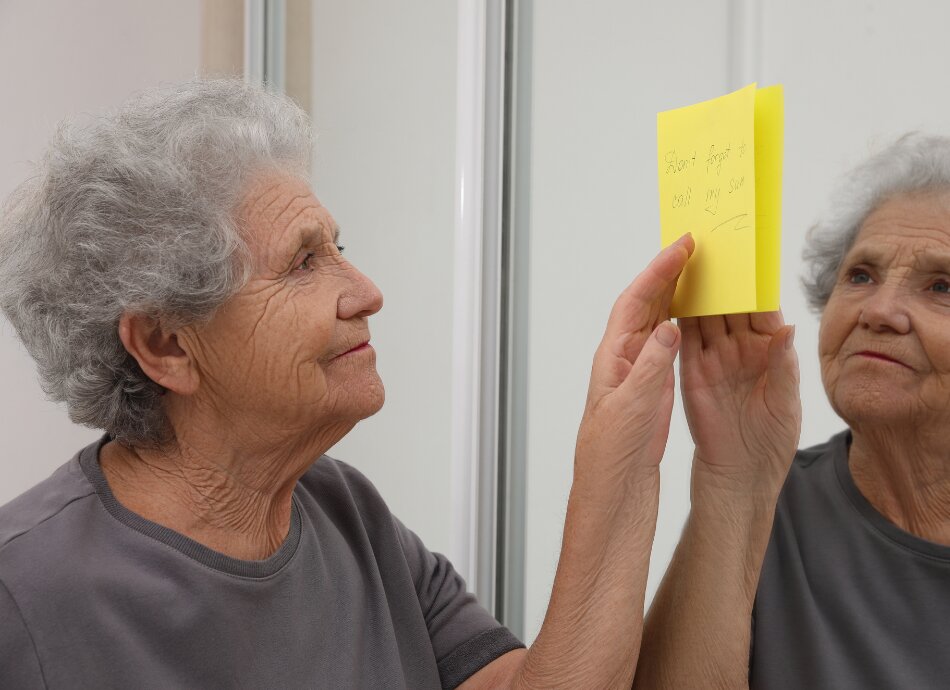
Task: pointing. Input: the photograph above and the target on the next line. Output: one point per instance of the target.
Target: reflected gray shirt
(846, 598)
(92, 595)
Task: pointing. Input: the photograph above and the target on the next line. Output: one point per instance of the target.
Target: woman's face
(289, 355)
(884, 342)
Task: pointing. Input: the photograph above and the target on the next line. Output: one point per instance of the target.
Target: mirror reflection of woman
(854, 590)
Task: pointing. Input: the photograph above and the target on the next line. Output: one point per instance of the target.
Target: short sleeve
(465, 637)
(19, 665)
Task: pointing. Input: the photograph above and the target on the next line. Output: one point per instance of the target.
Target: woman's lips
(359, 348)
(881, 357)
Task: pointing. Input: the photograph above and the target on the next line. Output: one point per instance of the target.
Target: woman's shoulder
(826, 451)
(44, 531)
(44, 503)
(327, 471)
(332, 483)
(812, 479)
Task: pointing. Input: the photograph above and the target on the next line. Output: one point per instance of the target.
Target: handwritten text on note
(720, 171)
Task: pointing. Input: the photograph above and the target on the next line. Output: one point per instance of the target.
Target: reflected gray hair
(136, 212)
(913, 163)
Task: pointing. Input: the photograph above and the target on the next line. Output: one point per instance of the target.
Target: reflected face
(884, 342)
(289, 355)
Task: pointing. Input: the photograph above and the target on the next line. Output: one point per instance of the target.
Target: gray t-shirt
(846, 598)
(94, 596)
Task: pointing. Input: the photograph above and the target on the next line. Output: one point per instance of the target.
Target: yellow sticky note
(720, 175)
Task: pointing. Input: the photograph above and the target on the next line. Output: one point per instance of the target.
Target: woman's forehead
(910, 220)
(280, 207)
(281, 215)
(271, 197)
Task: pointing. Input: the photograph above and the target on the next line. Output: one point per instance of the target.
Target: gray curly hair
(913, 163)
(137, 213)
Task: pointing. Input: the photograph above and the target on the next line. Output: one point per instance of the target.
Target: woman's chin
(362, 400)
(376, 398)
(876, 404)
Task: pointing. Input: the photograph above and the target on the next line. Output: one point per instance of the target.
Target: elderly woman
(854, 590)
(182, 289)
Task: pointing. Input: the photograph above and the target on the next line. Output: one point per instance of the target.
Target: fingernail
(790, 338)
(666, 334)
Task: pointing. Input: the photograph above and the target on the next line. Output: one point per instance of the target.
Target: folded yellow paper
(720, 178)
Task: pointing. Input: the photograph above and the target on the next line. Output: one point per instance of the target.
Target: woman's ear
(158, 353)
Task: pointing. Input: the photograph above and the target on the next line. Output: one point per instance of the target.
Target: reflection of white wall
(63, 58)
(856, 74)
(384, 110)
(599, 78)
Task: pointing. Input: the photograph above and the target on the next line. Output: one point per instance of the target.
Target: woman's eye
(305, 264)
(858, 276)
(941, 286)
(340, 248)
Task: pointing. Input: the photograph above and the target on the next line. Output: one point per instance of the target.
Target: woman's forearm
(591, 632)
(698, 631)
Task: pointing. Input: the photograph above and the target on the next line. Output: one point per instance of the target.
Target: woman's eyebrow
(314, 233)
(864, 255)
(311, 234)
(934, 261)
(307, 236)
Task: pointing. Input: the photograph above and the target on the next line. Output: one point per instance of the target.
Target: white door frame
(477, 317)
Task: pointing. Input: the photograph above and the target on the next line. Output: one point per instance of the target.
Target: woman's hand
(627, 417)
(739, 377)
(740, 390)
(591, 632)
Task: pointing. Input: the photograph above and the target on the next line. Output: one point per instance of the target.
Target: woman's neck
(906, 477)
(237, 503)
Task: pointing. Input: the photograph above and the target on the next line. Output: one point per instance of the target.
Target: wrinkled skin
(272, 361)
(740, 393)
(892, 299)
(884, 347)
(281, 373)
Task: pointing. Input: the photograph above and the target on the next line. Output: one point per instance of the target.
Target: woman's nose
(360, 298)
(885, 309)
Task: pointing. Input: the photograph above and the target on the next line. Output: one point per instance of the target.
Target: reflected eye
(858, 276)
(305, 264)
(940, 286)
(340, 248)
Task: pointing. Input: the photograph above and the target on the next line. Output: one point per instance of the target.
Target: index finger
(650, 286)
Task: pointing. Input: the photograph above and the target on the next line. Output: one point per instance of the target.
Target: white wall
(62, 58)
(856, 74)
(384, 110)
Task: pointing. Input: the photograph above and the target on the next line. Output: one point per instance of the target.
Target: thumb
(782, 388)
(650, 374)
